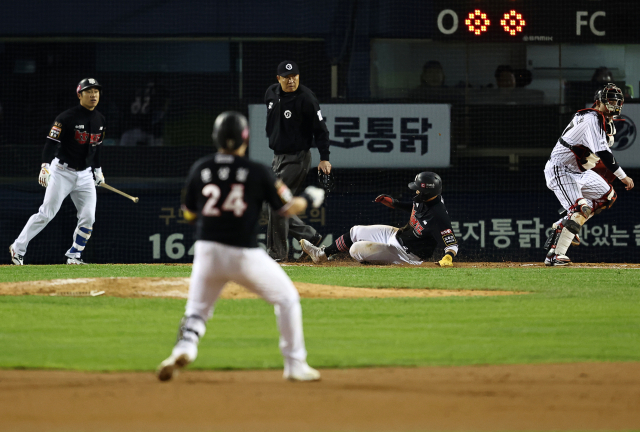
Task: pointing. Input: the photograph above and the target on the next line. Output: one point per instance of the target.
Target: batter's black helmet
(612, 97)
(428, 183)
(88, 83)
(230, 130)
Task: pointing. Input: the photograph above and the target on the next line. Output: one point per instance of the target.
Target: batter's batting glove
(45, 173)
(387, 200)
(99, 177)
(446, 261)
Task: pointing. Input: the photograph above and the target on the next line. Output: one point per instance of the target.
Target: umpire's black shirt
(75, 138)
(293, 119)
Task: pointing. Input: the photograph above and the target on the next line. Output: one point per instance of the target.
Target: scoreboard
(545, 21)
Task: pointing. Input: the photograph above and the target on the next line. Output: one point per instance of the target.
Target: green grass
(568, 315)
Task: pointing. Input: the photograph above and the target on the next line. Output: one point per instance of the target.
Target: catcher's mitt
(326, 181)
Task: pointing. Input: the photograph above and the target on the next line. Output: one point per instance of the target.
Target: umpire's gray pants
(292, 169)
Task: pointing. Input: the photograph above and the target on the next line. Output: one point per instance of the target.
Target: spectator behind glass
(432, 88)
(146, 116)
(505, 77)
(432, 75)
(602, 75)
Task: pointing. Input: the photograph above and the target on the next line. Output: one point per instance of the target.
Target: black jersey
(227, 192)
(429, 226)
(75, 138)
(294, 120)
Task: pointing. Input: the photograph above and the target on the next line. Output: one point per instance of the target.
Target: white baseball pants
(569, 186)
(215, 264)
(377, 244)
(63, 181)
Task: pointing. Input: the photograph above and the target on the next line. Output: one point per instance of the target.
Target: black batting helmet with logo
(88, 83)
(230, 130)
(428, 183)
(612, 97)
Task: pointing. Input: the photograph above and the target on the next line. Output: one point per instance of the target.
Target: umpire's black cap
(287, 68)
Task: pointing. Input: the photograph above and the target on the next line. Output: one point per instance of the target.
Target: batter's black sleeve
(58, 128)
(608, 160)
(96, 157)
(320, 131)
(49, 151)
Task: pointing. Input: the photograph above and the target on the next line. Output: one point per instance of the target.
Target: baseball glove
(326, 181)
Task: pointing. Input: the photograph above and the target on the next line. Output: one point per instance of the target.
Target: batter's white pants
(569, 186)
(215, 264)
(63, 181)
(377, 244)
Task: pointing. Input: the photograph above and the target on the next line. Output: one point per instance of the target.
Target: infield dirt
(557, 397)
(567, 397)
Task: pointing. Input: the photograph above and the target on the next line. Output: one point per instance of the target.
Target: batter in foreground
(224, 193)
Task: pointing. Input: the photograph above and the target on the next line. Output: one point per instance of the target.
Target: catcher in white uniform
(581, 169)
(224, 192)
(72, 148)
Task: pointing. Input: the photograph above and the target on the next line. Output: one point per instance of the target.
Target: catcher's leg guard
(571, 228)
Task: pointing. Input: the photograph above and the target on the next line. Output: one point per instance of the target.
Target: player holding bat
(71, 151)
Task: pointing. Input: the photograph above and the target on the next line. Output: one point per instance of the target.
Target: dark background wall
(209, 57)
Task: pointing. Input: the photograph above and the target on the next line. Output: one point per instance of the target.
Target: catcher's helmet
(612, 97)
(325, 181)
(428, 183)
(230, 130)
(88, 83)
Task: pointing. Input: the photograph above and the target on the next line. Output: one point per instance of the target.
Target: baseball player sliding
(71, 150)
(581, 169)
(429, 227)
(224, 193)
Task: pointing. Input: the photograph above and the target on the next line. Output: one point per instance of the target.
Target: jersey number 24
(234, 202)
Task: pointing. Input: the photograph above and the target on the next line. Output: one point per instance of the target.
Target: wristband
(620, 173)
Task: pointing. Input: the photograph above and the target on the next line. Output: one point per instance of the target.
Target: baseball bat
(112, 189)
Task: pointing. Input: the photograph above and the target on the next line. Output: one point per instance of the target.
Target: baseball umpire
(581, 169)
(71, 150)
(294, 119)
(224, 192)
(429, 227)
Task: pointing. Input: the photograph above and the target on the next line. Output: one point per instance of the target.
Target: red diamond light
(477, 22)
(512, 22)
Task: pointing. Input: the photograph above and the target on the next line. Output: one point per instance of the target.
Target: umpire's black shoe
(316, 239)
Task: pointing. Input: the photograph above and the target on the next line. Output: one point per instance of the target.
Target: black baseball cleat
(316, 239)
